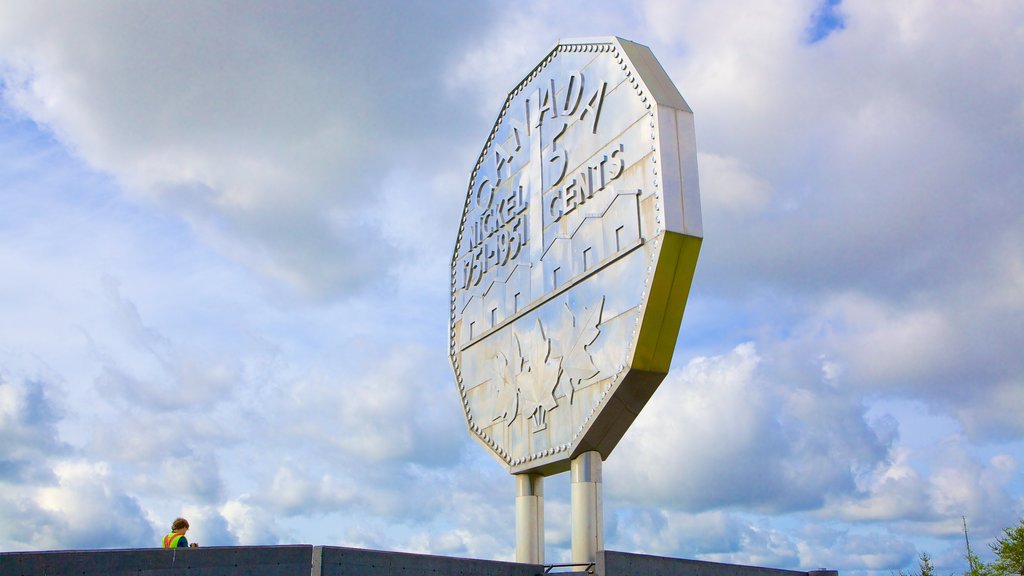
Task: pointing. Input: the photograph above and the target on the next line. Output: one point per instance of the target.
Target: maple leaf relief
(506, 405)
(527, 382)
(576, 363)
(537, 384)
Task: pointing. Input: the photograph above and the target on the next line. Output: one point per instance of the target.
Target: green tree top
(1009, 551)
(924, 565)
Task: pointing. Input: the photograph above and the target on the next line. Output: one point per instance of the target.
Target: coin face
(575, 254)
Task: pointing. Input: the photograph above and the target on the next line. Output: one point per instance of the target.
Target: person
(176, 539)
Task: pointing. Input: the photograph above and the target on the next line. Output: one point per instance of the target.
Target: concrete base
(305, 560)
(530, 518)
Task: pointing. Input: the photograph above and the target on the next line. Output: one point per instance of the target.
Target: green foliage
(924, 565)
(1009, 551)
(978, 568)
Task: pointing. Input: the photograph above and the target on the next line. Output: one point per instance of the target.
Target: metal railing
(588, 566)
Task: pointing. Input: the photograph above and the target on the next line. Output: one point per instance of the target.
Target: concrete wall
(228, 561)
(251, 561)
(356, 562)
(624, 564)
(333, 561)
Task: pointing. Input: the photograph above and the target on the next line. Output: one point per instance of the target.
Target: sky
(225, 238)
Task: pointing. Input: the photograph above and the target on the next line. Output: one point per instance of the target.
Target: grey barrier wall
(302, 560)
(214, 561)
(625, 564)
(305, 560)
(356, 562)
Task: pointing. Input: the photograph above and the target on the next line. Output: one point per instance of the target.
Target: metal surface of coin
(575, 254)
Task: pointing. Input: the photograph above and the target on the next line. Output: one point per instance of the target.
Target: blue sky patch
(825, 20)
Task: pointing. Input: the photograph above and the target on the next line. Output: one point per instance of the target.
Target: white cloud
(207, 526)
(893, 491)
(252, 526)
(261, 126)
(517, 38)
(28, 430)
(87, 509)
(241, 176)
(713, 536)
(886, 345)
(963, 486)
(920, 349)
(857, 551)
(291, 492)
(385, 408)
(160, 376)
(764, 439)
(726, 186)
(880, 164)
(996, 414)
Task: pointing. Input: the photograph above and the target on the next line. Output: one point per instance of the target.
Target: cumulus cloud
(895, 490)
(522, 37)
(461, 513)
(292, 492)
(890, 154)
(28, 430)
(856, 550)
(208, 526)
(729, 188)
(251, 526)
(963, 486)
(86, 508)
(161, 377)
(763, 439)
(997, 413)
(715, 536)
(869, 199)
(386, 408)
(263, 125)
(921, 350)
(197, 198)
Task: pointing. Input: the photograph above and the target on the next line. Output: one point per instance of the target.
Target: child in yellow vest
(176, 539)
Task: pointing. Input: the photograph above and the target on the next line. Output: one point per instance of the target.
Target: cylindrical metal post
(530, 518)
(587, 517)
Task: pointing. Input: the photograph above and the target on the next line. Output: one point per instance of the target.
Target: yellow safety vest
(171, 540)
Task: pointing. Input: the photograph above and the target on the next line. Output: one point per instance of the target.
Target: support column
(530, 518)
(587, 516)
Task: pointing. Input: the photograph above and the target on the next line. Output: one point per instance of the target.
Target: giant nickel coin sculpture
(575, 254)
